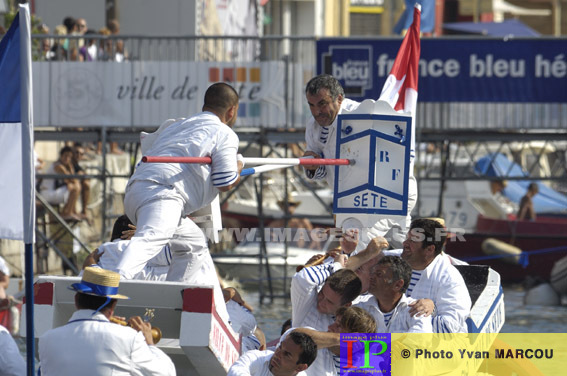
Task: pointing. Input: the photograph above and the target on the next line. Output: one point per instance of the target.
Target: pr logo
(366, 354)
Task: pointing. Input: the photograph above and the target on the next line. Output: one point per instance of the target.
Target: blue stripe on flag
(10, 94)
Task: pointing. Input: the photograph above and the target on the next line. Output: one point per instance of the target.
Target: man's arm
(227, 188)
(451, 298)
(226, 163)
(149, 360)
(452, 307)
(374, 248)
(322, 339)
(313, 172)
(248, 364)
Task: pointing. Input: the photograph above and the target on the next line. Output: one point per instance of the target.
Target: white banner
(143, 94)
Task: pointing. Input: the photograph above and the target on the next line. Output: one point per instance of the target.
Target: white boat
(243, 202)
(246, 264)
(195, 337)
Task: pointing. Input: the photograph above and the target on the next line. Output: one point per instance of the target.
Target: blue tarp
(498, 165)
(493, 29)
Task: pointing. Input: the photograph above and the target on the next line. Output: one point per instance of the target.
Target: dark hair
(346, 283)
(432, 233)
(285, 326)
(533, 187)
(121, 224)
(69, 23)
(325, 81)
(400, 269)
(356, 320)
(85, 301)
(308, 347)
(65, 149)
(220, 97)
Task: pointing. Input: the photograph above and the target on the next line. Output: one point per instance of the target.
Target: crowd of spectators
(94, 46)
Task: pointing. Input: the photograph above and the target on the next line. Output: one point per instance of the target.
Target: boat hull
(544, 241)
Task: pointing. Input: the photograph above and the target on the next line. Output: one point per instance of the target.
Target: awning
(506, 28)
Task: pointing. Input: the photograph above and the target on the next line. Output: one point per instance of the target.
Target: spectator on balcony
(63, 191)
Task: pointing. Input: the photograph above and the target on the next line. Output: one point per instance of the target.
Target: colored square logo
(254, 109)
(351, 65)
(242, 110)
(214, 74)
(366, 354)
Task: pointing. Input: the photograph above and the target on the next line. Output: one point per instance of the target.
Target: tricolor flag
(400, 88)
(17, 173)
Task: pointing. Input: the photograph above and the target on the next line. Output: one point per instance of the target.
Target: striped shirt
(322, 140)
(415, 276)
(399, 319)
(305, 286)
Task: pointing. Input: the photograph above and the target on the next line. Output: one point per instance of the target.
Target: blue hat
(99, 282)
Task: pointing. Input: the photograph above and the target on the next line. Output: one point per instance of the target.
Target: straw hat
(99, 282)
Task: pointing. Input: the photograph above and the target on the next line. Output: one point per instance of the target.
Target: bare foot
(71, 217)
(84, 216)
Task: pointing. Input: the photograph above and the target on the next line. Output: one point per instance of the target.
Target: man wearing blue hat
(89, 344)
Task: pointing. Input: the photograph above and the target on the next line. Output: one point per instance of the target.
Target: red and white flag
(400, 89)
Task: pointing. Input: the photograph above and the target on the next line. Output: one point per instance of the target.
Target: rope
(524, 256)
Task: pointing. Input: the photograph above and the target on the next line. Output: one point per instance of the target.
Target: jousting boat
(193, 334)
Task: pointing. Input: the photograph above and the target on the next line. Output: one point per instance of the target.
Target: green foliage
(35, 26)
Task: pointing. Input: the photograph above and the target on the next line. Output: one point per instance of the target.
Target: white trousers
(157, 212)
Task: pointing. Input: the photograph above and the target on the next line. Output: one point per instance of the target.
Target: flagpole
(256, 161)
(28, 178)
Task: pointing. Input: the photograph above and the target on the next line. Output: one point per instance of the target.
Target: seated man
(438, 285)
(388, 304)
(64, 191)
(347, 320)
(293, 356)
(91, 345)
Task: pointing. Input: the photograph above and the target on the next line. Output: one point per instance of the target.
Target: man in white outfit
(11, 361)
(89, 344)
(439, 287)
(326, 100)
(292, 357)
(347, 320)
(389, 305)
(159, 196)
(318, 291)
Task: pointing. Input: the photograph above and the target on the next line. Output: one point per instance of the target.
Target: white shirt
(444, 284)
(11, 361)
(400, 320)
(304, 288)
(254, 363)
(202, 135)
(90, 345)
(323, 140)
